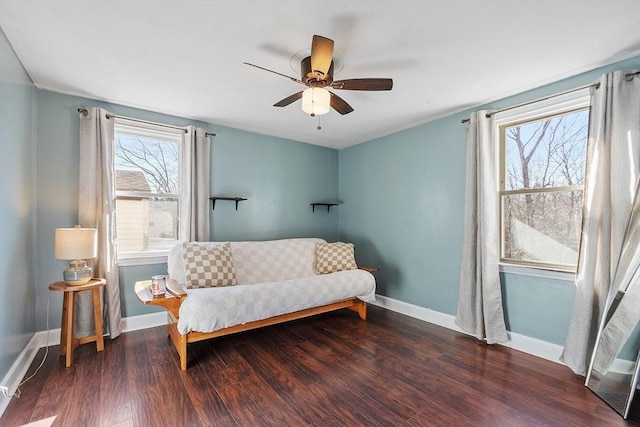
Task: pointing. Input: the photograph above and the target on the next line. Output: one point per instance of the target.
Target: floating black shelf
(233, 199)
(328, 205)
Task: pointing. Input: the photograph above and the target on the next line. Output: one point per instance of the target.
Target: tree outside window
(542, 182)
(147, 188)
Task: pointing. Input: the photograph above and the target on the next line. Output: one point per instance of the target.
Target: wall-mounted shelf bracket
(233, 199)
(328, 205)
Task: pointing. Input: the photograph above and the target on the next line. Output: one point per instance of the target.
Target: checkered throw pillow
(331, 257)
(208, 265)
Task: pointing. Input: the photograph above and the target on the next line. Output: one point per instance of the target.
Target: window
(542, 149)
(147, 180)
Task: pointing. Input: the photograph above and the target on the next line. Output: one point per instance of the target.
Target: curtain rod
(596, 85)
(491, 113)
(84, 112)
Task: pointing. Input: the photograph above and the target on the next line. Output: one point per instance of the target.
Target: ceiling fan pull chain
(319, 127)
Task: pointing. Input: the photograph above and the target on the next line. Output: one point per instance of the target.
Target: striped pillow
(332, 257)
(208, 265)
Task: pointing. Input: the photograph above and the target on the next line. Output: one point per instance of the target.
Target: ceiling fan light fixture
(316, 101)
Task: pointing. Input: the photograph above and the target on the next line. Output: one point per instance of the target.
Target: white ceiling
(185, 57)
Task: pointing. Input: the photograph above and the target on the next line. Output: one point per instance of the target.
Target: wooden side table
(168, 301)
(68, 342)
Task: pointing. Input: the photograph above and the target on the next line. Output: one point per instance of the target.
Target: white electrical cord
(46, 353)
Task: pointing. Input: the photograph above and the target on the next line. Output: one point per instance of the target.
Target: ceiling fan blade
(288, 100)
(363, 84)
(340, 105)
(274, 72)
(321, 54)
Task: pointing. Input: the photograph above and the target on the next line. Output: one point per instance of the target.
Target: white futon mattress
(210, 309)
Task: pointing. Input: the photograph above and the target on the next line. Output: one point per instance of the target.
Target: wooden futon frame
(175, 295)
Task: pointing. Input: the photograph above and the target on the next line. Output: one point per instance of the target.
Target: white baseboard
(18, 371)
(43, 339)
(516, 341)
(533, 346)
(144, 321)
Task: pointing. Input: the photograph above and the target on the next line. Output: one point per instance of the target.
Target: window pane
(543, 227)
(546, 153)
(146, 224)
(146, 164)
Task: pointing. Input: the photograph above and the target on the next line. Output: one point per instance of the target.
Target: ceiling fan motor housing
(313, 78)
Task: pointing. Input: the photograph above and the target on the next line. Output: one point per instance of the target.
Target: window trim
(564, 103)
(145, 195)
(538, 272)
(146, 258)
(160, 131)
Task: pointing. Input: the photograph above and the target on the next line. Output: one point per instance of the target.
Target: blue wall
(403, 207)
(403, 203)
(17, 186)
(278, 177)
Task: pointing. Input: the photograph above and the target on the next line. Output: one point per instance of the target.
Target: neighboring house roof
(127, 180)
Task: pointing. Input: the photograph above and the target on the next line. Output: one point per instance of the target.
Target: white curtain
(96, 209)
(194, 207)
(480, 310)
(613, 166)
(626, 282)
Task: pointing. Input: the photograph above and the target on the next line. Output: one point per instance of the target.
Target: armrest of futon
(369, 269)
(174, 288)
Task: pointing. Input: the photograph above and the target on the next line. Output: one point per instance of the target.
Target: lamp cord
(46, 353)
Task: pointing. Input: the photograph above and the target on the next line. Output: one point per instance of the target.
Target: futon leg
(183, 353)
(362, 310)
(179, 342)
(360, 307)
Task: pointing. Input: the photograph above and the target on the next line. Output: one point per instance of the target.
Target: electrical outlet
(5, 390)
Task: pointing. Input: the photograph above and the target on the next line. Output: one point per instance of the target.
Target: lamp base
(78, 273)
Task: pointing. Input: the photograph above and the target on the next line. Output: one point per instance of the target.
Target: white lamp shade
(316, 101)
(76, 243)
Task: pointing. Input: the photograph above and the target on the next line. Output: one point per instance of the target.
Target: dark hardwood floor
(328, 370)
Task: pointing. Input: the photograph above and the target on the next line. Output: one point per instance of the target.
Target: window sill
(537, 272)
(142, 259)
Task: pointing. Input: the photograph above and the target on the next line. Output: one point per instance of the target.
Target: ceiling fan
(316, 72)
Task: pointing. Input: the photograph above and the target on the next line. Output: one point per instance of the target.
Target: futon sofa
(226, 287)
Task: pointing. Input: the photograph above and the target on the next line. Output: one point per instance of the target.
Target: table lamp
(76, 244)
